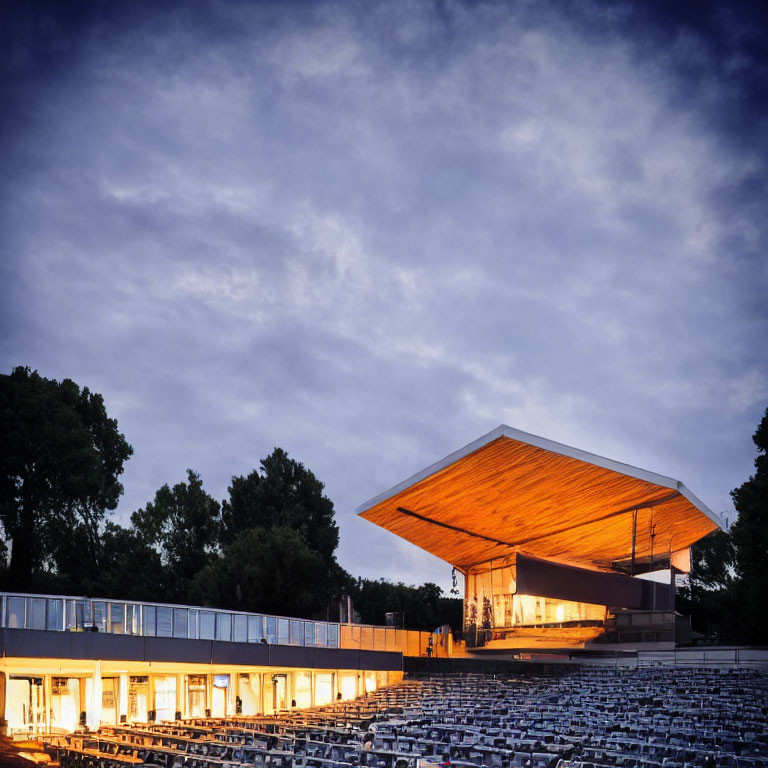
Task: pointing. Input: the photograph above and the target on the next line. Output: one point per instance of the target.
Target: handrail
(51, 612)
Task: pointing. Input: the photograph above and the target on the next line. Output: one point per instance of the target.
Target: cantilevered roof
(512, 491)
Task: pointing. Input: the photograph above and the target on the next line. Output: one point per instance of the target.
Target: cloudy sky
(370, 232)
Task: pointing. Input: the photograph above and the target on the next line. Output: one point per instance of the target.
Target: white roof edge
(700, 505)
(548, 445)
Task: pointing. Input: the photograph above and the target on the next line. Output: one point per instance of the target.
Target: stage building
(558, 547)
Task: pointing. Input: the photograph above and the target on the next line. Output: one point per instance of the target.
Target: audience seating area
(657, 717)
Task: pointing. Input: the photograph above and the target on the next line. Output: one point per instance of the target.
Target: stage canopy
(510, 492)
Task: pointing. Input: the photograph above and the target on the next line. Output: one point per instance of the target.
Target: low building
(67, 662)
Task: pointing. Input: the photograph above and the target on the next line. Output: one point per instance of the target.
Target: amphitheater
(571, 653)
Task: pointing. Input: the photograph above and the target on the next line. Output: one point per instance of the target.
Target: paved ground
(11, 751)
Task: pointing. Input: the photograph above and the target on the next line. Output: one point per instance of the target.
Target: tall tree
(278, 529)
(183, 523)
(59, 468)
(283, 493)
(750, 539)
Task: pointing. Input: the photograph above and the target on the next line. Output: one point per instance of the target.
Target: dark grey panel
(290, 656)
(250, 654)
(383, 660)
(40, 644)
(337, 658)
(95, 645)
(118, 647)
(173, 649)
(566, 582)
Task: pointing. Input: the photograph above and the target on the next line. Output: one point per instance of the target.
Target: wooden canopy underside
(510, 492)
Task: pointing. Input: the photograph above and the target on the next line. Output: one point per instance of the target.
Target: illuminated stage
(554, 542)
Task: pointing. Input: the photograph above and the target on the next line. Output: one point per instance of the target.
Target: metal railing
(64, 613)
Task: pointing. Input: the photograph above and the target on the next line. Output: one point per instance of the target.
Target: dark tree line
(268, 547)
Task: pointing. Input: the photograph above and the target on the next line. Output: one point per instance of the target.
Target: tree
(270, 570)
(61, 460)
(183, 523)
(750, 540)
(127, 567)
(708, 596)
(278, 537)
(284, 493)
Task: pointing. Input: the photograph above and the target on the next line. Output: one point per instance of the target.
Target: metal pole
(634, 541)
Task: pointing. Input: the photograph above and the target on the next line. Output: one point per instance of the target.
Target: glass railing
(124, 617)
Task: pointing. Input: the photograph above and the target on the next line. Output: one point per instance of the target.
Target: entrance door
(280, 689)
(165, 698)
(65, 702)
(219, 695)
(138, 699)
(249, 693)
(25, 705)
(110, 700)
(196, 695)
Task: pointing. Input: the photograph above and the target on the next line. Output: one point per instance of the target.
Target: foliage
(708, 597)
(127, 567)
(183, 523)
(750, 540)
(424, 607)
(271, 570)
(61, 459)
(712, 561)
(278, 537)
(284, 493)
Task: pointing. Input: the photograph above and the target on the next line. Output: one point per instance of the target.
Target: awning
(510, 491)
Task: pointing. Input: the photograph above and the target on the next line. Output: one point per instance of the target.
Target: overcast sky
(370, 232)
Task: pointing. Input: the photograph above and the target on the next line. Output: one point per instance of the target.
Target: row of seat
(582, 718)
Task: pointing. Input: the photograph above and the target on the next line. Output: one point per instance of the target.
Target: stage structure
(558, 547)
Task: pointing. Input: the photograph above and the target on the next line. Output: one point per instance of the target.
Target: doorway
(196, 695)
(110, 700)
(25, 704)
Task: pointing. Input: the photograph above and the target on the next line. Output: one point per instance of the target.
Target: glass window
(164, 621)
(255, 628)
(16, 611)
(150, 620)
(207, 625)
(283, 632)
(99, 617)
(85, 613)
(74, 618)
(309, 633)
(297, 635)
(55, 618)
(116, 618)
(223, 626)
(321, 634)
(241, 628)
(271, 629)
(192, 630)
(180, 622)
(36, 615)
(131, 619)
(333, 635)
